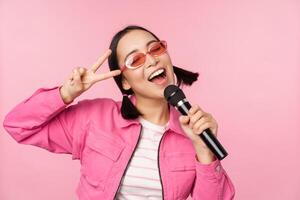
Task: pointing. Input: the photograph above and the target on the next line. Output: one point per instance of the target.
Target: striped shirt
(142, 180)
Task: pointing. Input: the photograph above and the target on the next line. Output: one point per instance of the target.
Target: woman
(140, 148)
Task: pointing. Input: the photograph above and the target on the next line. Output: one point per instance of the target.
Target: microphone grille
(173, 94)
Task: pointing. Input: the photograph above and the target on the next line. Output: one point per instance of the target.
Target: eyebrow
(135, 50)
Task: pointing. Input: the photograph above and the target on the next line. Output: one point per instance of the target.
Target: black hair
(128, 110)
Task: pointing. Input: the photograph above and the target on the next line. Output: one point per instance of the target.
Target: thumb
(184, 119)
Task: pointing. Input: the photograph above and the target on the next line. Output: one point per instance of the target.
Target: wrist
(203, 154)
(205, 158)
(67, 99)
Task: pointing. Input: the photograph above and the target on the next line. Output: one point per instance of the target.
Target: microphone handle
(207, 136)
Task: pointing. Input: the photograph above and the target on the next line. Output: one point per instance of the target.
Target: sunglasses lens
(136, 60)
(158, 48)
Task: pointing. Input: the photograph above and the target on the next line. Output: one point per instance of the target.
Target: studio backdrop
(246, 52)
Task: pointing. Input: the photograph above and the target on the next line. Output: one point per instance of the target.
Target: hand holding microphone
(198, 125)
(195, 123)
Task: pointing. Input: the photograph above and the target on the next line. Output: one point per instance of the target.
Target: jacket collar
(174, 114)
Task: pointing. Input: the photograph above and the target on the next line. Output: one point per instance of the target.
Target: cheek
(134, 77)
(166, 59)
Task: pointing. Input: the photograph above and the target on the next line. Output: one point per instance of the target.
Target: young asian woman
(137, 148)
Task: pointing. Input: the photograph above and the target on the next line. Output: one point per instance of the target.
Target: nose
(151, 61)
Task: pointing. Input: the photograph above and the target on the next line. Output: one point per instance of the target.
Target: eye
(136, 60)
(155, 48)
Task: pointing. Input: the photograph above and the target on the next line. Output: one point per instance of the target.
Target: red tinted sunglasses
(138, 59)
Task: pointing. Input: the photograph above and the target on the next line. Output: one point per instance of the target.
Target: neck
(153, 110)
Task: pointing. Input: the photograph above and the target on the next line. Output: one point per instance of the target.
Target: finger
(184, 119)
(203, 127)
(195, 117)
(194, 109)
(82, 70)
(76, 76)
(72, 74)
(200, 122)
(100, 77)
(100, 60)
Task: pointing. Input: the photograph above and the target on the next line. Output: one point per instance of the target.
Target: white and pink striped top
(142, 179)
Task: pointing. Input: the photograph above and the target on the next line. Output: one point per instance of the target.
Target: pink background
(247, 54)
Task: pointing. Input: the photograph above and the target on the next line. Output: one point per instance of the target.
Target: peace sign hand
(82, 79)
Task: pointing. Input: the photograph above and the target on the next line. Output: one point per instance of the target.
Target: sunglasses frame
(145, 54)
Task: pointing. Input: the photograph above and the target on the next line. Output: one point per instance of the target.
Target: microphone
(175, 96)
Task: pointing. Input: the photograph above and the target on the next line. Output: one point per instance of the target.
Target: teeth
(156, 73)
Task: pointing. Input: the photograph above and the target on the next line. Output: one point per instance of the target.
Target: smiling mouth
(159, 77)
(159, 74)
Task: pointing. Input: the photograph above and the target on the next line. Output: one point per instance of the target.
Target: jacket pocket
(179, 161)
(181, 172)
(99, 157)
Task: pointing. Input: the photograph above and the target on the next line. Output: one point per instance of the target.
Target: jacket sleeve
(44, 120)
(212, 182)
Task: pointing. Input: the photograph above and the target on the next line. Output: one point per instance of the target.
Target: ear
(125, 84)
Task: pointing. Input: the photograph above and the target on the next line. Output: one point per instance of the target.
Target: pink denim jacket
(94, 132)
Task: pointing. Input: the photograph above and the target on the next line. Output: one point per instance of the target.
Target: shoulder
(103, 113)
(105, 105)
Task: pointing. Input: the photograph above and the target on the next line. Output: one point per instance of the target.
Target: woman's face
(138, 79)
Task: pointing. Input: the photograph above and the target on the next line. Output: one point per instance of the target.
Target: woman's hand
(194, 124)
(82, 79)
